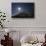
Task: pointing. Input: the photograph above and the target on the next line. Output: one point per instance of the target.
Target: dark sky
(24, 7)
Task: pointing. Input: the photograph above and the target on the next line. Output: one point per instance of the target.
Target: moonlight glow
(19, 8)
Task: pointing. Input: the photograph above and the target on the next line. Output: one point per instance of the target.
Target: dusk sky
(21, 7)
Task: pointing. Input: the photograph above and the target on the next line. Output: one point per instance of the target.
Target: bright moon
(19, 8)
